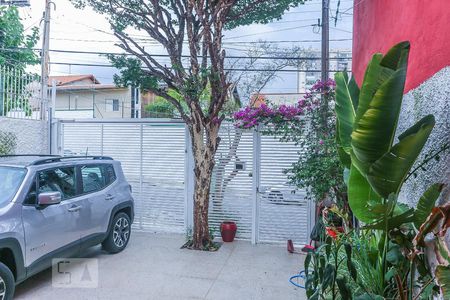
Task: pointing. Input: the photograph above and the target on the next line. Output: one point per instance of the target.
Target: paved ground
(153, 267)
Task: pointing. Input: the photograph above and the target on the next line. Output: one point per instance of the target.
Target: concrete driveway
(154, 267)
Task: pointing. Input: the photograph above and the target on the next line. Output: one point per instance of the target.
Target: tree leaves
(16, 48)
(246, 12)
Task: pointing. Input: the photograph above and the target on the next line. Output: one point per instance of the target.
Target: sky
(85, 30)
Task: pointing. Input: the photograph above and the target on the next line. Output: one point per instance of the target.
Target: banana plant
(378, 163)
(368, 120)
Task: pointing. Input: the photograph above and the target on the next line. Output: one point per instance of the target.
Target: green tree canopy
(246, 12)
(16, 48)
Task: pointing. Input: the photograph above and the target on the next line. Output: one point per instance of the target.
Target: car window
(11, 178)
(110, 174)
(61, 180)
(31, 198)
(93, 178)
(97, 177)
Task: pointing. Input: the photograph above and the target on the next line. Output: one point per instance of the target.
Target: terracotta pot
(228, 231)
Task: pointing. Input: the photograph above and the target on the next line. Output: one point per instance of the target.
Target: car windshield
(10, 180)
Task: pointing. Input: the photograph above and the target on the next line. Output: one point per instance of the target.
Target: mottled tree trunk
(205, 141)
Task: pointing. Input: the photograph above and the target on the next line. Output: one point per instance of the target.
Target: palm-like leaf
(347, 93)
(360, 195)
(443, 277)
(386, 175)
(426, 204)
(379, 107)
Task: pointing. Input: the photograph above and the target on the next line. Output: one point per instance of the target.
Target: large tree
(191, 33)
(16, 48)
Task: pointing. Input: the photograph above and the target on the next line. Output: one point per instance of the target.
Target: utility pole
(45, 60)
(325, 40)
(325, 63)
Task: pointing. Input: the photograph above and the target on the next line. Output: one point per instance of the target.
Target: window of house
(112, 105)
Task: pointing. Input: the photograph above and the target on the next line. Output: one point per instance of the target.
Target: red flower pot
(228, 231)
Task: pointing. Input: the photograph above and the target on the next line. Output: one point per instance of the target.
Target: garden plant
(385, 258)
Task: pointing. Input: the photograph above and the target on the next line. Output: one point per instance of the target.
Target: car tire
(119, 234)
(7, 283)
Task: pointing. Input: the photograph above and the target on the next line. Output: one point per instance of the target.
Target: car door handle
(109, 197)
(74, 208)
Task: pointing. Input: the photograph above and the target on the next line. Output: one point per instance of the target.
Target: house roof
(67, 79)
(91, 87)
(256, 100)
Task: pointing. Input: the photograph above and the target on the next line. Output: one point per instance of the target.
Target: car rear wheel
(7, 285)
(119, 234)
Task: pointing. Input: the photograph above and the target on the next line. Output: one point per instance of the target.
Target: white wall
(431, 97)
(31, 135)
(94, 102)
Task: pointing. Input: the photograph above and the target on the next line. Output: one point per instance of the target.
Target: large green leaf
(443, 278)
(360, 195)
(386, 175)
(347, 93)
(344, 288)
(426, 204)
(344, 157)
(394, 57)
(373, 134)
(392, 222)
(379, 105)
(369, 85)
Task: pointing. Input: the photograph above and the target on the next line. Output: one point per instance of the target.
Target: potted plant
(228, 231)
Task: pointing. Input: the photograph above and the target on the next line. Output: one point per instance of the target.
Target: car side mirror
(49, 198)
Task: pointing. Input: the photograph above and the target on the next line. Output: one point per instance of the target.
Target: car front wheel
(7, 285)
(119, 234)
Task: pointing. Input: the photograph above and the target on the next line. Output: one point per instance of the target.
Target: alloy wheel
(121, 232)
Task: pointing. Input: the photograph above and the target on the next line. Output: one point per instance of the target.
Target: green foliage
(131, 72)
(262, 13)
(12, 37)
(160, 108)
(318, 169)
(443, 276)
(426, 204)
(387, 252)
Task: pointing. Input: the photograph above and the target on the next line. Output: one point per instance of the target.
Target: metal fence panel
(283, 210)
(152, 156)
(231, 187)
(249, 185)
(19, 94)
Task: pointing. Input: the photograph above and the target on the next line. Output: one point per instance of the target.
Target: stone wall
(431, 97)
(31, 135)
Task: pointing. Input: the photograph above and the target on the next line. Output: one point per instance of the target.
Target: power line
(184, 56)
(226, 69)
(225, 43)
(271, 31)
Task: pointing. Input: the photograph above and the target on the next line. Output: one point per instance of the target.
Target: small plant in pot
(228, 231)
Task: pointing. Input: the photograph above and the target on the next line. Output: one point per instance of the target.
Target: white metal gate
(248, 186)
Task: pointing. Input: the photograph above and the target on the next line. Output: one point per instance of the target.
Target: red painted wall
(379, 24)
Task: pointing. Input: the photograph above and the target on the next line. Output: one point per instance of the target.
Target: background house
(340, 60)
(83, 96)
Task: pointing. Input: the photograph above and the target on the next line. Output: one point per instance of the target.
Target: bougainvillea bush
(310, 123)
